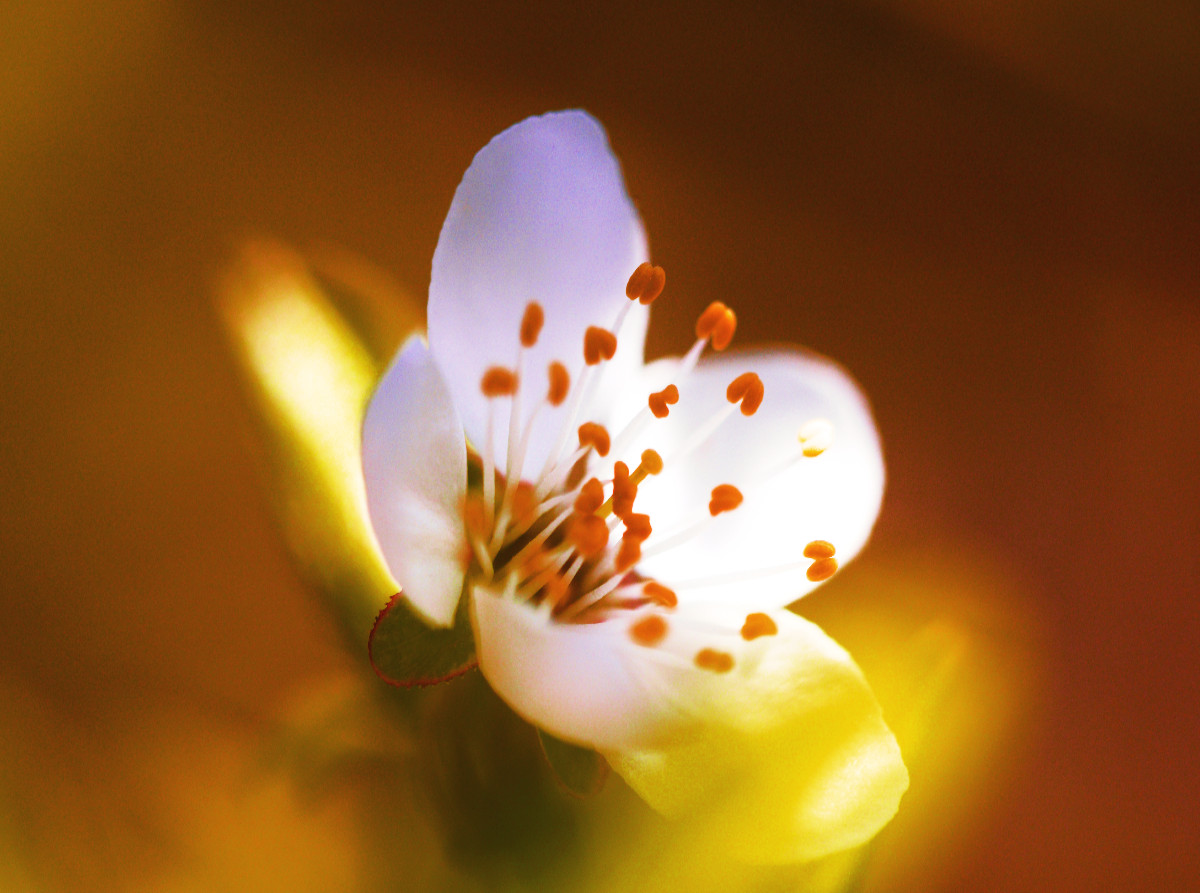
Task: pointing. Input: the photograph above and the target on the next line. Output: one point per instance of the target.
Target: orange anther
(498, 382)
(723, 333)
(588, 534)
(646, 283)
(662, 399)
(819, 549)
(822, 569)
(747, 388)
(637, 527)
(651, 462)
(629, 554)
(718, 322)
(717, 661)
(531, 324)
(590, 498)
(598, 344)
(624, 491)
(638, 280)
(725, 498)
(560, 383)
(758, 625)
(595, 436)
(649, 631)
(524, 503)
(660, 594)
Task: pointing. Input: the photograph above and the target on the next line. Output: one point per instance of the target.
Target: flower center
(568, 538)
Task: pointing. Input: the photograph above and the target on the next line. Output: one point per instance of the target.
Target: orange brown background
(989, 212)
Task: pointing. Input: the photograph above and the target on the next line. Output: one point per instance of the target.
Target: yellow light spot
(716, 661)
(819, 549)
(598, 344)
(498, 382)
(747, 388)
(757, 625)
(560, 383)
(661, 400)
(725, 498)
(649, 631)
(531, 324)
(822, 569)
(595, 436)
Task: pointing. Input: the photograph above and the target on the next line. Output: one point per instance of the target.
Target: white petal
(541, 214)
(415, 465)
(833, 497)
(795, 761)
(588, 684)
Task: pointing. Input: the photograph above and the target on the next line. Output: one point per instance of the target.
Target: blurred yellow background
(990, 213)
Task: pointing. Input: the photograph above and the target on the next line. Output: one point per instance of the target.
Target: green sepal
(405, 651)
(580, 771)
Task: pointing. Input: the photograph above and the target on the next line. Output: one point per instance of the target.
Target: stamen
(596, 436)
(524, 507)
(660, 400)
(757, 625)
(816, 437)
(531, 324)
(822, 569)
(646, 283)
(748, 389)
(649, 631)
(651, 463)
(628, 555)
(624, 491)
(588, 534)
(560, 383)
(819, 549)
(660, 594)
(716, 661)
(598, 344)
(725, 498)
(718, 323)
(498, 382)
(637, 527)
(590, 498)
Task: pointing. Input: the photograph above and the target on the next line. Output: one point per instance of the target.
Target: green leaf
(405, 651)
(580, 771)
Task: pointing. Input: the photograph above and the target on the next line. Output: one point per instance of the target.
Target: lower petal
(794, 762)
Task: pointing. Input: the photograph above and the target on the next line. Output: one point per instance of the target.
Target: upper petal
(415, 466)
(541, 214)
(834, 496)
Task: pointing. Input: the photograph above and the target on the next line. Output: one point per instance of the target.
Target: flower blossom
(628, 534)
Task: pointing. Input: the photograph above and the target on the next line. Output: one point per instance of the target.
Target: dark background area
(991, 216)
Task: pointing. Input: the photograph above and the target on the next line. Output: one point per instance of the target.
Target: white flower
(635, 537)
